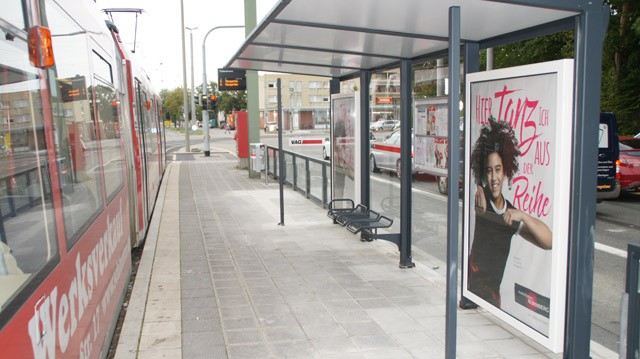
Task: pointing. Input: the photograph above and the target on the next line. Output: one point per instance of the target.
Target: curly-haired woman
(494, 159)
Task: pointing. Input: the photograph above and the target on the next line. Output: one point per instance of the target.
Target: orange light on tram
(40, 47)
(148, 105)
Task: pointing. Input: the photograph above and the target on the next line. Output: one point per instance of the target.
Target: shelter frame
(293, 39)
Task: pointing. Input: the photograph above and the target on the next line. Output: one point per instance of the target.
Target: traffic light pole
(205, 88)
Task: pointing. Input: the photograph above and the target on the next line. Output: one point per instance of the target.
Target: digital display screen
(232, 80)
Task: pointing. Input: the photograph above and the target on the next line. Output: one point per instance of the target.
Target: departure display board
(232, 80)
(73, 88)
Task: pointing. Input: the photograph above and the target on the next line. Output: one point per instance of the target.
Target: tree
(621, 65)
(229, 101)
(172, 102)
(620, 92)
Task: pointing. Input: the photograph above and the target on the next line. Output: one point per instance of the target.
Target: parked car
(385, 155)
(383, 125)
(637, 136)
(272, 126)
(326, 149)
(629, 164)
(608, 185)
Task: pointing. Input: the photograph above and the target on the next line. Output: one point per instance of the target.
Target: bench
(338, 206)
(360, 213)
(360, 219)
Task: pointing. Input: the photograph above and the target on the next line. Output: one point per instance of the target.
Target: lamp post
(192, 103)
(205, 91)
(185, 107)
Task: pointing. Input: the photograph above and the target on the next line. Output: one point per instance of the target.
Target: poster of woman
(518, 145)
(346, 149)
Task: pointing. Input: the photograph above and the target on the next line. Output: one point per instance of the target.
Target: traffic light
(212, 102)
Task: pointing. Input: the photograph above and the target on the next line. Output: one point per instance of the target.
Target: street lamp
(184, 81)
(191, 100)
(205, 89)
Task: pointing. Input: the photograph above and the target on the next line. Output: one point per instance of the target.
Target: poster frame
(430, 136)
(353, 99)
(563, 69)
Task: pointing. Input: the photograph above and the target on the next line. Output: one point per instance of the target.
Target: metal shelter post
(405, 164)
(365, 186)
(334, 88)
(253, 108)
(633, 292)
(281, 170)
(590, 28)
(471, 64)
(453, 207)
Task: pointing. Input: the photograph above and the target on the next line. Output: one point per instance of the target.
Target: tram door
(140, 125)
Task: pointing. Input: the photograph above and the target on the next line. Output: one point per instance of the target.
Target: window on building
(315, 98)
(315, 85)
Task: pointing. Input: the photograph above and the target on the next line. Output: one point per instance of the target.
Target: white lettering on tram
(58, 317)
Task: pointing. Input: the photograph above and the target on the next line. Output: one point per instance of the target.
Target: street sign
(232, 80)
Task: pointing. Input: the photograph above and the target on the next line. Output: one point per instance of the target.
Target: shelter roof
(338, 38)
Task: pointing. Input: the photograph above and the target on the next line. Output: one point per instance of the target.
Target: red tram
(82, 155)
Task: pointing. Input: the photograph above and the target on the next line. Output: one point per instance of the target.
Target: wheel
(372, 164)
(324, 153)
(442, 184)
(399, 168)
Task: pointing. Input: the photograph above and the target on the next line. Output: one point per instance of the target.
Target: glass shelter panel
(430, 148)
(384, 151)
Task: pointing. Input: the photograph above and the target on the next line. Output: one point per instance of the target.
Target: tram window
(75, 129)
(107, 105)
(102, 68)
(13, 14)
(28, 242)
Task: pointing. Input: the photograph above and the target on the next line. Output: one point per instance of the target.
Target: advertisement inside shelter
(345, 146)
(431, 136)
(517, 169)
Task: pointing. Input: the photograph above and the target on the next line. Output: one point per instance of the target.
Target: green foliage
(172, 103)
(621, 65)
(547, 48)
(425, 89)
(620, 61)
(232, 100)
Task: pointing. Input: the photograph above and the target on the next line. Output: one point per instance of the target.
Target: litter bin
(256, 156)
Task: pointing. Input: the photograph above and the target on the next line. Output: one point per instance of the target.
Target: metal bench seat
(359, 213)
(370, 227)
(338, 206)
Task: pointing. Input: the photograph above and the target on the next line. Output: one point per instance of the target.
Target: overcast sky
(158, 45)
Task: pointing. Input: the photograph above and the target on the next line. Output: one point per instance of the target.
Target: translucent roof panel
(339, 37)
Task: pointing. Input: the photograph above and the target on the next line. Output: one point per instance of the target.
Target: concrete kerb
(132, 327)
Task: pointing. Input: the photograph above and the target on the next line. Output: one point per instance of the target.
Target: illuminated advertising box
(518, 161)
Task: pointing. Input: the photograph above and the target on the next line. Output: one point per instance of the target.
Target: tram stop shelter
(351, 39)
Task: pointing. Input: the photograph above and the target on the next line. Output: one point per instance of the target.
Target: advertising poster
(345, 146)
(518, 146)
(430, 137)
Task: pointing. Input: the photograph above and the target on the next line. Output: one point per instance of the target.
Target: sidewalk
(219, 278)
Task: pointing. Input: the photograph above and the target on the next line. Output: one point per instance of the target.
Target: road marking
(611, 250)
